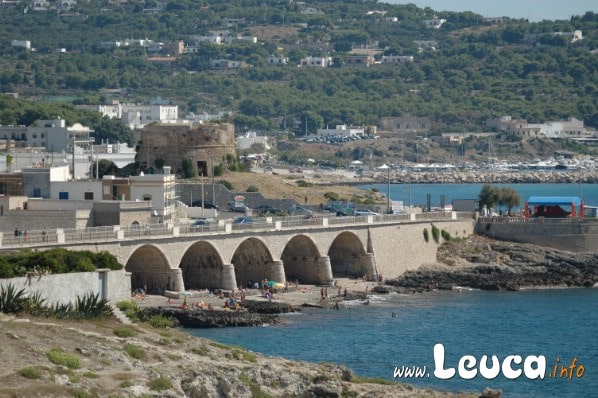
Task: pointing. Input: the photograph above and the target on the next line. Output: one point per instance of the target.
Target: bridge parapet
(41, 238)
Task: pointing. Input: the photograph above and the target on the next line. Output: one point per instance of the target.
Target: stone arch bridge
(227, 258)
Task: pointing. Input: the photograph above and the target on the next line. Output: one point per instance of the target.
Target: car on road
(266, 209)
(206, 205)
(243, 220)
(365, 212)
(299, 211)
(237, 207)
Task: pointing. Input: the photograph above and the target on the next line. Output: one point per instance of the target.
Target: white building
(318, 62)
(137, 116)
(26, 44)
(570, 128)
(342, 130)
(251, 138)
(278, 60)
(396, 59)
(434, 23)
(53, 135)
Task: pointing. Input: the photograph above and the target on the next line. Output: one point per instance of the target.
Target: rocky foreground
(91, 360)
(487, 264)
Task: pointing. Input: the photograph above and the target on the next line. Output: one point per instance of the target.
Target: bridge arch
(202, 267)
(348, 257)
(302, 261)
(253, 262)
(149, 267)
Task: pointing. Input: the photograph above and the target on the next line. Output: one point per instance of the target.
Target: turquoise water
(418, 192)
(556, 323)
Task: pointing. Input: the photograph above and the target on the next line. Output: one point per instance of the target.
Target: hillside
(459, 76)
(90, 360)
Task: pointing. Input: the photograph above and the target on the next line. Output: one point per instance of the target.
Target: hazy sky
(534, 10)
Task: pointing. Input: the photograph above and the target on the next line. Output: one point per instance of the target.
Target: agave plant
(60, 311)
(36, 304)
(11, 300)
(90, 306)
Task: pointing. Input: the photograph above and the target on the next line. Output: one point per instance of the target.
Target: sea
(400, 337)
(417, 194)
(532, 10)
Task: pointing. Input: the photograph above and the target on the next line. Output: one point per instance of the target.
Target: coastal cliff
(53, 358)
(488, 264)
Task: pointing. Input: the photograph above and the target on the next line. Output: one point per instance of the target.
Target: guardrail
(149, 231)
(538, 220)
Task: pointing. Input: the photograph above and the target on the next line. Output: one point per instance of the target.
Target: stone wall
(563, 234)
(112, 285)
(38, 220)
(402, 247)
(201, 143)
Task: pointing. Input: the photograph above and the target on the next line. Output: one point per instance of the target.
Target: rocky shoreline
(487, 264)
(251, 313)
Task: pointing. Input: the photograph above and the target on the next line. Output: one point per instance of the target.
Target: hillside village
(256, 91)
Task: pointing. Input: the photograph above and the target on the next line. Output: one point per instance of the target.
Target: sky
(533, 10)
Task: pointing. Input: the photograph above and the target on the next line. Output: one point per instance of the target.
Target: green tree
(489, 196)
(187, 168)
(509, 198)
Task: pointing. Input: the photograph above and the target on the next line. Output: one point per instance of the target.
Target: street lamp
(387, 168)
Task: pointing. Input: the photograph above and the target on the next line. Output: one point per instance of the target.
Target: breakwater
(482, 177)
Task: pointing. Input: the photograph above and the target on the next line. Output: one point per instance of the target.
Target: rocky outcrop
(495, 265)
(164, 363)
(268, 307)
(214, 318)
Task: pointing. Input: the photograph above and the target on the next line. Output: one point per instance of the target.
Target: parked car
(298, 210)
(365, 212)
(206, 205)
(235, 207)
(200, 222)
(311, 217)
(266, 209)
(268, 168)
(243, 220)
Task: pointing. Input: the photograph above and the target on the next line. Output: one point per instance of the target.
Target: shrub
(332, 196)
(59, 357)
(304, 184)
(161, 321)
(160, 384)
(445, 235)
(12, 301)
(227, 185)
(426, 235)
(30, 373)
(252, 188)
(435, 233)
(125, 331)
(134, 352)
(90, 306)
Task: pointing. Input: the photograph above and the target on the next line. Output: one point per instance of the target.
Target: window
(146, 198)
(88, 196)
(37, 192)
(63, 195)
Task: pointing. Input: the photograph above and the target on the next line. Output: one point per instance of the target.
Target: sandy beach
(293, 295)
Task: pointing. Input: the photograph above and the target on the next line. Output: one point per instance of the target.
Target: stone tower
(206, 145)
